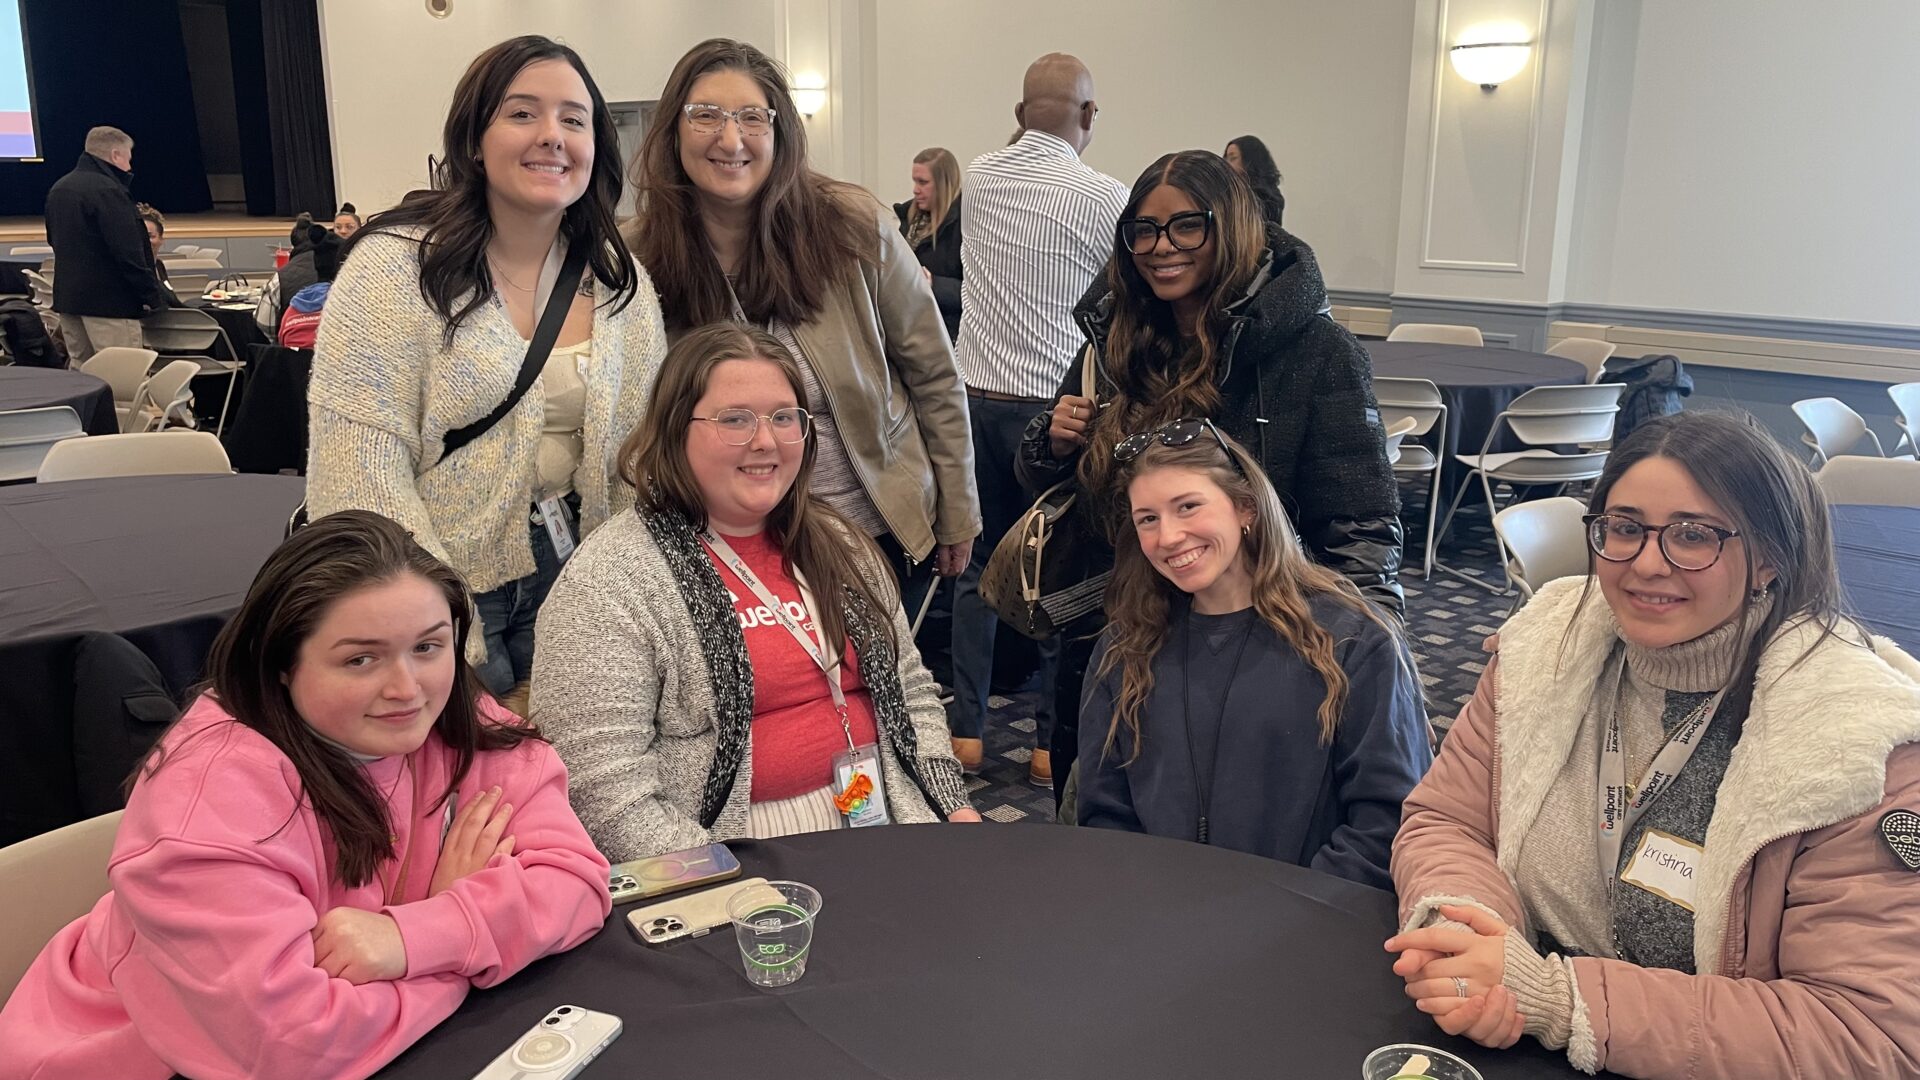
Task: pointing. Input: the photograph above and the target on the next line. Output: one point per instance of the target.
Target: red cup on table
(280, 257)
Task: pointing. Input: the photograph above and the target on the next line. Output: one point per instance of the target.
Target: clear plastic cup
(1390, 1063)
(775, 934)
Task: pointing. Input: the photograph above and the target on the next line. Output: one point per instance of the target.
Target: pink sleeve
(548, 896)
(1846, 1002)
(219, 972)
(1444, 852)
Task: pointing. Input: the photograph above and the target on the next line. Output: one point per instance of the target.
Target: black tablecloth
(1476, 383)
(1002, 951)
(268, 432)
(1878, 549)
(160, 560)
(239, 325)
(37, 388)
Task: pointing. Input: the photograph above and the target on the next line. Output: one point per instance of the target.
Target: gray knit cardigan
(641, 680)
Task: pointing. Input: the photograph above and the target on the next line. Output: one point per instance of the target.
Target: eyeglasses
(1688, 545)
(737, 427)
(1186, 231)
(754, 120)
(1177, 433)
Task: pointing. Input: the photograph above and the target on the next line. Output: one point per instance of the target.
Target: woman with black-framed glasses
(1208, 311)
(1678, 823)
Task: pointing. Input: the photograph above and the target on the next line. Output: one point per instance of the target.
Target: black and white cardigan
(641, 678)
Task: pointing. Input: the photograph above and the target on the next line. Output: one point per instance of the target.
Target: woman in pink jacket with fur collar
(336, 842)
(1677, 827)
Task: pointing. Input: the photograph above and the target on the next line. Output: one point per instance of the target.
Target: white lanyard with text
(1621, 804)
(861, 795)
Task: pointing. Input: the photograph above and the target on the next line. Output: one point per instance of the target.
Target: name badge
(1666, 866)
(555, 515)
(863, 792)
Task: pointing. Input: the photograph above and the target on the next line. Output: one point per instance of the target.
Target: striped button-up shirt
(1039, 228)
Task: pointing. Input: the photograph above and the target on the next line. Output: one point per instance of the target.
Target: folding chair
(189, 333)
(145, 453)
(27, 434)
(1589, 353)
(1832, 429)
(1438, 333)
(1419, 400)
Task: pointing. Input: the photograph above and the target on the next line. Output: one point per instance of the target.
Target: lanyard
(1202, 830)
(1621, 803)
(816, 650)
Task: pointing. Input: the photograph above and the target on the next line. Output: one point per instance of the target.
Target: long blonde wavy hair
(1285, 581)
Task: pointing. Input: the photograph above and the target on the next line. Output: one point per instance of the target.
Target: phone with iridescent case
(676, 871)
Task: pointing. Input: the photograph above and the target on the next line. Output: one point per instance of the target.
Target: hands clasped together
(1455, 976)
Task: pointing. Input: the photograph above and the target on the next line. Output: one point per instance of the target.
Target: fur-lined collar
(1812, 753)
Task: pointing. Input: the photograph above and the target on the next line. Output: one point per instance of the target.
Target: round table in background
(237, 320)
(1018, 952)
(1877, 549)
(39, 388)
(160, 561)
(1476, 383)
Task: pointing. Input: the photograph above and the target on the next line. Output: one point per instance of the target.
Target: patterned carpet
(1447, 618)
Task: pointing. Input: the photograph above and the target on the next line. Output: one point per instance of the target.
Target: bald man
(1039, 228)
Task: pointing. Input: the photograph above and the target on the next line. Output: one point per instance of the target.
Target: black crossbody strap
(544, 335)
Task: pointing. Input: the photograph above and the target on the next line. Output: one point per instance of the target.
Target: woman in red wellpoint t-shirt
(729, 658)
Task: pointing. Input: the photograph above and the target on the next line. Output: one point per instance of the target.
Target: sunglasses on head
(1175, 433)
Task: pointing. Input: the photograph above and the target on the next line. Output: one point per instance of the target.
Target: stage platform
(33, 230)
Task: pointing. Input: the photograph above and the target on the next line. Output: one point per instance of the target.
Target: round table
(38, 388)
(1878, 552)
(1476, 384)
(160, 561)
(1004, 951)
(237, 320)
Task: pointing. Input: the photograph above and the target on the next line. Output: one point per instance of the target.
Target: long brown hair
(1777, 507)
(1285, 581)
(1154, 375)
(339, 554)
(945, 173)
(452, 217)
(836, 558)
(803, 239)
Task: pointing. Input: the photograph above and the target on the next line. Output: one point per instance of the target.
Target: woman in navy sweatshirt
(1243, 695)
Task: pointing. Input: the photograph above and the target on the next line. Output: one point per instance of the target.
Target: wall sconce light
(809, 94)
(1491, 63)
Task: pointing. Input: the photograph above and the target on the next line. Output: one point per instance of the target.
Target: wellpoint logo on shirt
(760, 615)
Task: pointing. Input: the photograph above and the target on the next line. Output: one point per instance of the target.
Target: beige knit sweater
(387, 388)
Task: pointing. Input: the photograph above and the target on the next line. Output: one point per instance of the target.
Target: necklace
(502, 275)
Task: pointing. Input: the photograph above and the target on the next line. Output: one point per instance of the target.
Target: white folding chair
(32, 249)
(26, 434)
(125, 370)
(1589, 353)
(1418, 400)
(1548, 541)
(144, 453)
(190, 333)
(46, 882)
(1542, 418)
(166, 396)
(1397, 431)
(42, 287)
(189, 284)
(199, 260)
(1853, 480)
(1438, 333)
(1832, 428)
(1906, 398)
(185, 251)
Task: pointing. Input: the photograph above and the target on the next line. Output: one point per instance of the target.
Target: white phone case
(692, 914)
(556, 1048)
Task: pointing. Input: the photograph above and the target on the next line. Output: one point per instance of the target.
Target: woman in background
(1251, 159)
(931, 223)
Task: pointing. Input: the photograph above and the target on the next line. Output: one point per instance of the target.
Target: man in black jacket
(103, 272)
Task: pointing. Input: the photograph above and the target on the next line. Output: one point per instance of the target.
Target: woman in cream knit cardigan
(429, 322)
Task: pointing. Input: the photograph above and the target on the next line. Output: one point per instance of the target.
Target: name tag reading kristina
(1666, 866)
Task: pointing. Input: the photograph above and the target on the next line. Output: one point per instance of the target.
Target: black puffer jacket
(940, 254)
(103, 264)
(1297, 390)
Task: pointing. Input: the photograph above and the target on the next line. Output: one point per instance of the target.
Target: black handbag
(559, 302)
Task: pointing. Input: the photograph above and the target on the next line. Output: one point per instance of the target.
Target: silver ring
(1460, 986)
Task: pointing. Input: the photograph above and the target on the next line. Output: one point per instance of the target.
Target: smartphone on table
(556, 1048)
(676, 871)
(694, 914)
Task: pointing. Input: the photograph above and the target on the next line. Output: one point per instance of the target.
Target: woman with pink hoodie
(1676, 829)
(339, 839)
